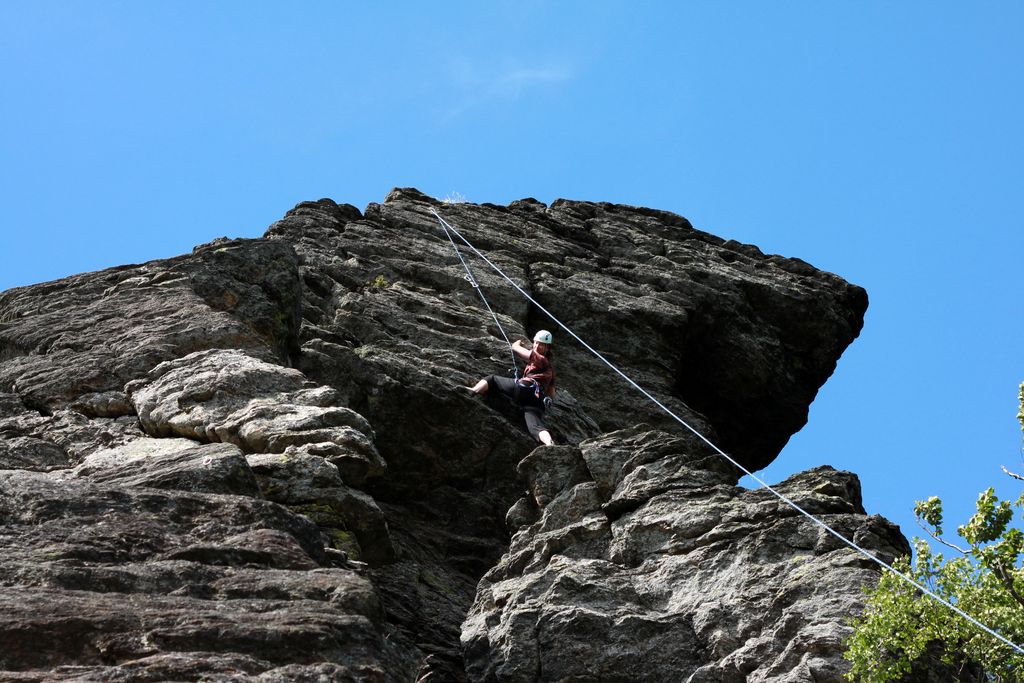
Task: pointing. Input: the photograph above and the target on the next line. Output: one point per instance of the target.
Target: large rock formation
(252, 461)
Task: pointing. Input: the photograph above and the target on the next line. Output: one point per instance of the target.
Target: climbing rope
(447, 226)
(480, 291)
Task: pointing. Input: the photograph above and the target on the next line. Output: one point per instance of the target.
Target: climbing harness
(448, 227)
(476, 285)
(531, 387)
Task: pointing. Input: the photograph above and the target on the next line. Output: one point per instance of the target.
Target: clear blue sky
(880, 141)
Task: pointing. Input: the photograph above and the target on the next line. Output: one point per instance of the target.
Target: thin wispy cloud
(514, 82)
(473, 86)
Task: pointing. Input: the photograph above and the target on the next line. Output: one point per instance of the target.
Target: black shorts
(524, 397)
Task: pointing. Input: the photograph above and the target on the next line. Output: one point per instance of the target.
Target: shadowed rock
(103, 576)
(31, 440)
(92, 333)
(311, 485)
(708, 325)
(204, 438)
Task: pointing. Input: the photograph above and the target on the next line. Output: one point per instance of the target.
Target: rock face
(109, 582)
(253, 462)
(646, 562)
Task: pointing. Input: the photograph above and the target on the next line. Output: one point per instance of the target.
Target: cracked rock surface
(253, 462)
(646, 562)
(228, 396)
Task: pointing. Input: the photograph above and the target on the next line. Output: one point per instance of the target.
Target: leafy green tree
(984, 577)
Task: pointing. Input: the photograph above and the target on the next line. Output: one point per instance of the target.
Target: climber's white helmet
(542, 336)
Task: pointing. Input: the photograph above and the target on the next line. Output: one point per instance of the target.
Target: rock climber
(535, 391)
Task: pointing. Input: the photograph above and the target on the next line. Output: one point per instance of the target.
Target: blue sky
(879, 141)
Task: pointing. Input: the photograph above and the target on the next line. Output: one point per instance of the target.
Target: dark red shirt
(539, 368)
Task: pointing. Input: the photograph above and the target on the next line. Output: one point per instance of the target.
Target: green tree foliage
(984, 577)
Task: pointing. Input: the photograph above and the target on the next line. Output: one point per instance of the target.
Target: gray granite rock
(734, 341)
(92, 333)
(174, 464)
(30, 453)
(104, 582)
(204, 438)
(36, 441)
(708, 325)
(309, 484)
(228, 396)
(695, 580)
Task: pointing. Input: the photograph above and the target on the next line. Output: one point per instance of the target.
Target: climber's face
(540, 348)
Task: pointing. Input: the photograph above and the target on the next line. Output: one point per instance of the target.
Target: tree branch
(940, 539)
(1012, 474)
(1007, 580)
